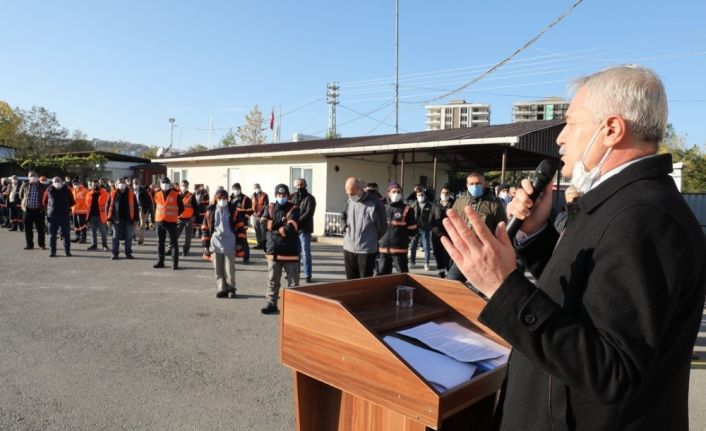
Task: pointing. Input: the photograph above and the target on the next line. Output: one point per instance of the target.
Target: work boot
(270, 309)
(158, 265)
(222, 294)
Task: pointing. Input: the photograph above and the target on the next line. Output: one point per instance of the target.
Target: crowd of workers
(380, 231)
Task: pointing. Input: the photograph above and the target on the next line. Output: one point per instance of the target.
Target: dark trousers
(387, 259)
(443, 261)
(244, 248)
(164, 228)
(34, 217)
(80, 227)
(122, 230)
(358, 265)
(15, 216)
(56, 223)
(260, 233)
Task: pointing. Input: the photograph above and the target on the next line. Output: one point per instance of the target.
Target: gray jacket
(365, 224)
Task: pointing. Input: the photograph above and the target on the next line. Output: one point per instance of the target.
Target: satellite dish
(160, 151)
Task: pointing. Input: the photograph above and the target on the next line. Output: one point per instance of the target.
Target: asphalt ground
(87, 343)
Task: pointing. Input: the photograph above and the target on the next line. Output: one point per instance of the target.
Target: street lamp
(171, 137)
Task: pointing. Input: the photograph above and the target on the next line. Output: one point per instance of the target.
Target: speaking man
(604, 340)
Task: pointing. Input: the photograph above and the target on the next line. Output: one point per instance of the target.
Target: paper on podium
(439, 370)
(456, 341)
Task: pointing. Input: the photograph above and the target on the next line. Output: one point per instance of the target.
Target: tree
(694, 171)
(38, 132)
(9, 123)
(196, 149)
(252, 133)
(228, 140)
(149, 153)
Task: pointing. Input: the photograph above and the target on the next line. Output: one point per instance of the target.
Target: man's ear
(615, 129)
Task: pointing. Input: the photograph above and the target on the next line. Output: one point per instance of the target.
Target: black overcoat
(604, 341)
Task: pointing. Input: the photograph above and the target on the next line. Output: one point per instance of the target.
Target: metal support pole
(504, 166)
(433, 177)
(397, 67)
(402, 170)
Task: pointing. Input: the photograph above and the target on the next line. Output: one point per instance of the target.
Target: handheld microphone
(542, 176)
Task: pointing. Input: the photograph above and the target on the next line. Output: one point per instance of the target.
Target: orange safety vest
(167, 210)
(80, 193)
(188, 209)
(130, 200)
(102, 200)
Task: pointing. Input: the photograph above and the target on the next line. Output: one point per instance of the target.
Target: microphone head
(547, 169)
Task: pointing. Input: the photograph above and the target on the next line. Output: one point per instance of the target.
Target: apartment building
(549, 108)
(457, 114)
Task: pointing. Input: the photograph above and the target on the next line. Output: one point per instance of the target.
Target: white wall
(116, 170)
(268, 172)
(376, 169)
(329, 176)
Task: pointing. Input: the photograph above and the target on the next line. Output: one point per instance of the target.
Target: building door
(233, 177)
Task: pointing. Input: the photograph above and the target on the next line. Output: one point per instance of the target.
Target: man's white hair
(634, 93)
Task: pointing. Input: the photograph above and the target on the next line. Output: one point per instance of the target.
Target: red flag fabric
(272, 119)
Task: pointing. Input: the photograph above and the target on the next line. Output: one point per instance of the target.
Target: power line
(508, 58)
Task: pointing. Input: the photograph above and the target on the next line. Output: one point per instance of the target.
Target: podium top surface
(333, 333)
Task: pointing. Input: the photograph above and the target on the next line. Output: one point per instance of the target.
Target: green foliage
(65, 163)
(228, 140)
(38, 134)
(196, 149)
(252, 133)
(694, 160)
(9, 123)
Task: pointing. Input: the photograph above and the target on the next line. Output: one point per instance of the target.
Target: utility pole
(397, 67)
(210, 131)
(171, 136)
(332, 100)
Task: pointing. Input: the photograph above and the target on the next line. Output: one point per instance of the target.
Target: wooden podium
(347, 378)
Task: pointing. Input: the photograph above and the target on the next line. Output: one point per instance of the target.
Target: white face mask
(166, 187)
(222, 203)
(184, 188)
(580, 178)
(395, 197)
(236, 192)
(257, 190)
(355, 198)
(444, 197)
(421, 199)
(14, 181)
(121, 187)
(33, 179)
(58, 185)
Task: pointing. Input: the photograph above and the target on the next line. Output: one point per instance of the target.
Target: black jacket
(438, 214)
(422, 214)
(603, 342)
(307, 206)
(282, 225)
(59, 202)
(144, 201)
(401, 225)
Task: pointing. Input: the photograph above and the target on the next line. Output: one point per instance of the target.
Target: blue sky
(120, 70)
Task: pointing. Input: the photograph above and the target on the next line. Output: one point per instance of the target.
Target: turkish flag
(272, 119)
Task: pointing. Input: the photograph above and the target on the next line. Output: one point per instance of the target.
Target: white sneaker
(412, 265)
(426, 267)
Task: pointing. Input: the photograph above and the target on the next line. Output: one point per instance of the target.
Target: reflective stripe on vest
(167, 210)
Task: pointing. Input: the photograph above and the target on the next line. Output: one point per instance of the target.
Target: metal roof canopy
(523, 144)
